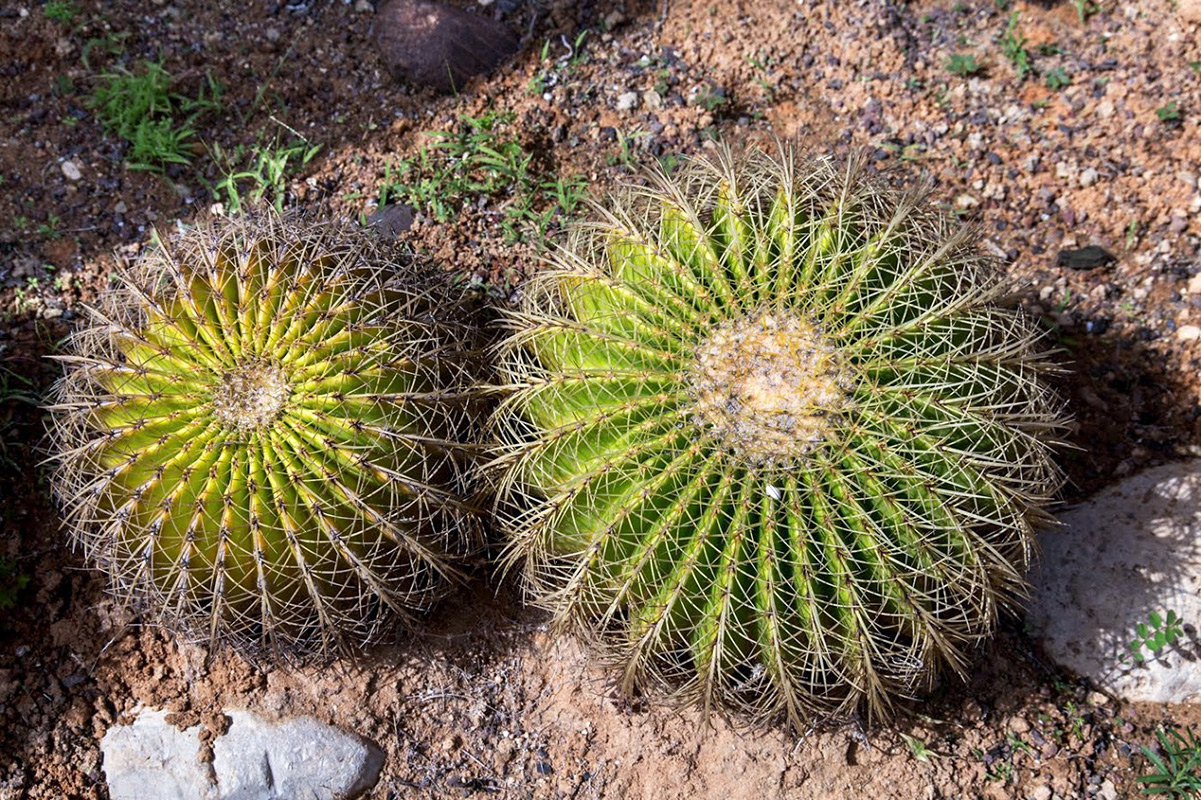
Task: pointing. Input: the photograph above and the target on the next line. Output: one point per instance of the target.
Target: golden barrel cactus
(769, 443)
(260, 434)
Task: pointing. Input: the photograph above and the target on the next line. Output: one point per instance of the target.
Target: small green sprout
(1169, 114)
(1178, 770)
(962, 64)
(1155, 634)
(1057, 78)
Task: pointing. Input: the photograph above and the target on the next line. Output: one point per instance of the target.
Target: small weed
(1062, 305)
(961, 64)
(567, 193)
(769, 90)
(476, 160)
(626, 156)
(1057, 78)
(918, 748)
(142, 110)
(711, 98)
(910, 152)
(1155, 634)
(112, 44)
(64, 86)
(1195, 66)
(1017, 745)
(1084, 9)
(1132, 234)
(1001, 771)
(49, 228)
(61, 12)
(261, 175)
(1177, 767)
(1076, 719)
(1170, 114)
(1013, 45)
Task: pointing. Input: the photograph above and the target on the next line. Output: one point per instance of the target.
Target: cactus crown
(258, 434)
(769, 444)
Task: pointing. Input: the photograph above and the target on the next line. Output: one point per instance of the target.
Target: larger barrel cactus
(769, 443)
(259, 434)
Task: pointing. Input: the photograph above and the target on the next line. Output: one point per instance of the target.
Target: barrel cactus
(769, 443)
(258, 434)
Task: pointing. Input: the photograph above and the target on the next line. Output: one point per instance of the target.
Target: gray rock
(153, 759)
(627, 101)
(295, 759)
(1133, 549)
(391, 220)
(428, 44)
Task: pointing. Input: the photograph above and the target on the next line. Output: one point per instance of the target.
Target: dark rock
(1089, 257)
(391, 220)
(428, 44)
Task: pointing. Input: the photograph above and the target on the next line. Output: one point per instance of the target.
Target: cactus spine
(769, 443)
(258, 434)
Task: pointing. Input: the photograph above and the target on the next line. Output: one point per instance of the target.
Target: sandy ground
(1098, 144)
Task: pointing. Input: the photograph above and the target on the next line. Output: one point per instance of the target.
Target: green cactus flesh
(769, 443)
(257, 435)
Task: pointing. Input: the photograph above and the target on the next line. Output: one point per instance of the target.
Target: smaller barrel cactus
(259, 434)
(769, 443)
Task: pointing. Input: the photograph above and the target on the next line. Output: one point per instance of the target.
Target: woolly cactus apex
(258, 434)
(769, 444)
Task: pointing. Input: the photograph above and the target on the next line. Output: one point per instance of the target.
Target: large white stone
(1131, 550)
(295, 759)
(153, 759)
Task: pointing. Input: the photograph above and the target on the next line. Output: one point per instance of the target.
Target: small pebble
(1089, 176)
(71, 170)
(1188, 333)
(627, 101)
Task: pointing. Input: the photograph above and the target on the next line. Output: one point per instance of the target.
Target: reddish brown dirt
(482, 701)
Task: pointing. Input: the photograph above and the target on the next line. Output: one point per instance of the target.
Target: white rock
(1131, 550)
(299, 759)
(1194, 284)
(296, 758)
(1089, 177)
(71, 170)
(153, 759)
(627, 101)
(1188, 333)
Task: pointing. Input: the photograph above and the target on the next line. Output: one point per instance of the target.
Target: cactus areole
(770, 444)
(258, 434)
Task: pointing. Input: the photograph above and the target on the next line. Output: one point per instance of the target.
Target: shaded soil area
(1089, 138)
